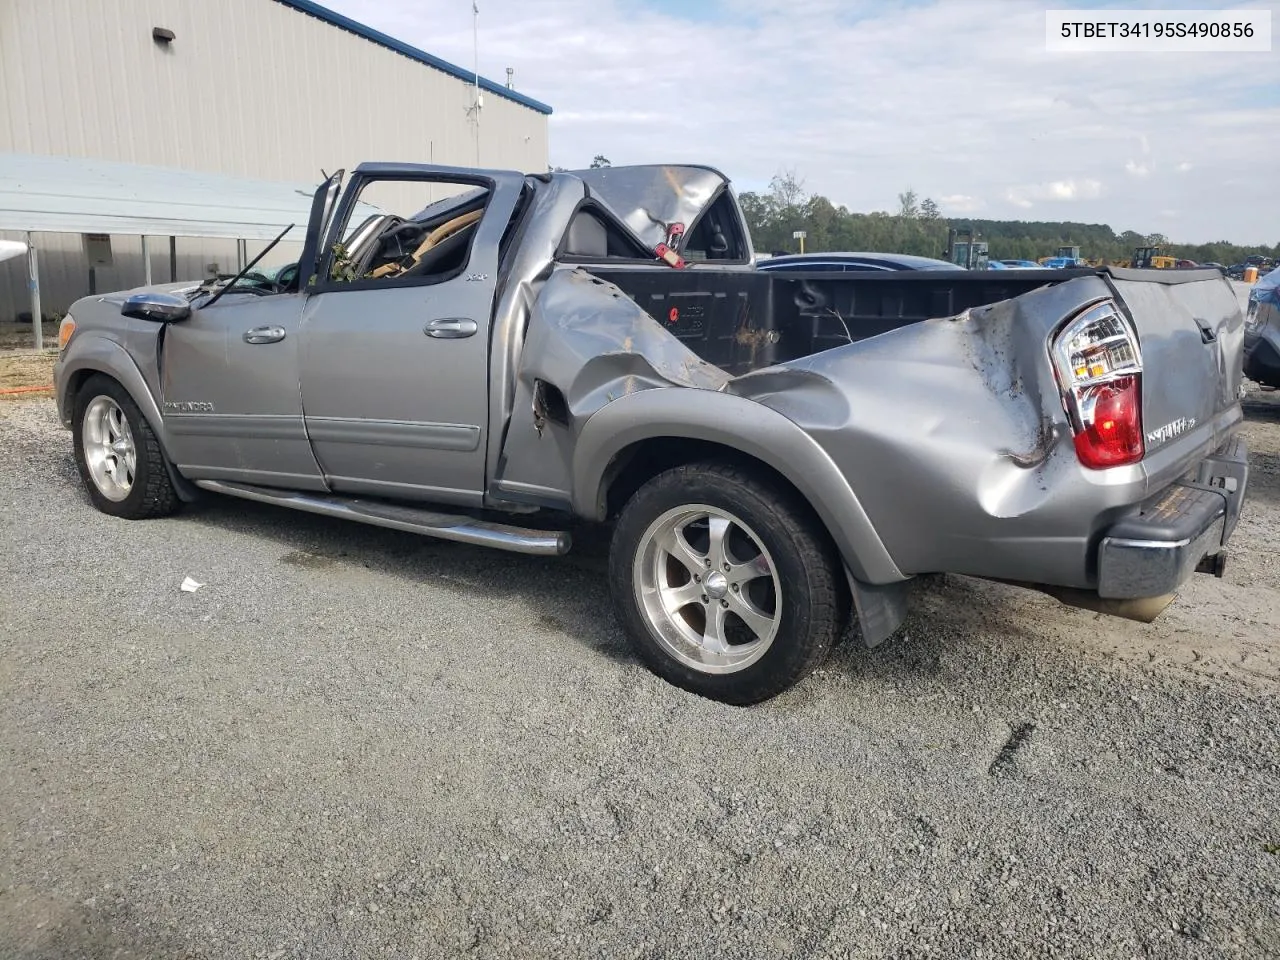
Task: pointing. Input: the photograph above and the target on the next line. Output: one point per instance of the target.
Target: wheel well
(634, 466)
(77, 380)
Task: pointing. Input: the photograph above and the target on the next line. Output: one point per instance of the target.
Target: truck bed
(743, 321)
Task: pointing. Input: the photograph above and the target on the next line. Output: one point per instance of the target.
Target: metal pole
(146, 263)
(33, 279)
(173, 259)
(475, 39)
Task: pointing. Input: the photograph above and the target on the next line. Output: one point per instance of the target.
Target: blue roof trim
(413, 53)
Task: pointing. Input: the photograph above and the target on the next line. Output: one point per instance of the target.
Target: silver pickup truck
(494, 358)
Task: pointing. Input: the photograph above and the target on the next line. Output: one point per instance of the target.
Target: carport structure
(47, 194)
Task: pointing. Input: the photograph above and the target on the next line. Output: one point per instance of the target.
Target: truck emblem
(188, 406)
(1171, 430)
(477, 277)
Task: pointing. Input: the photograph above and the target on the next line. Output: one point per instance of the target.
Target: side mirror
(156, 307)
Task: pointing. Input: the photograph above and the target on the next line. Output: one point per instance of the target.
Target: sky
(957, 100)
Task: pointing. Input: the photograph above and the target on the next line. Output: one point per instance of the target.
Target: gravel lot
(356, 743)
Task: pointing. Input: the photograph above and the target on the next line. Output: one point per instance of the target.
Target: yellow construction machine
(1153, 258)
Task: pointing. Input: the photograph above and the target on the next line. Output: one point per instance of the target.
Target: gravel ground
(356, 743)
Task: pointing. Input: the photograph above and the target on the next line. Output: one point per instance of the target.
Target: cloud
(960, 203)
(1184, 166)
(615, 116)
(866, 99)
(1054, 190)
(1137, 169)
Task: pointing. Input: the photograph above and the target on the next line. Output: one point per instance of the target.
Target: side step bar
(429, 523)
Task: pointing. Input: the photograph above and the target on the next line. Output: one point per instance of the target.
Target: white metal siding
(250, 88)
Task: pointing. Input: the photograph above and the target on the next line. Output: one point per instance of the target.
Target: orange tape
(9, 390)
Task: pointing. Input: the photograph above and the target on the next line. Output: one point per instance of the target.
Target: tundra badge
(187, 406)
(1171, 430)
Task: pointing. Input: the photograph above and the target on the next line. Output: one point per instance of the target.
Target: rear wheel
(118, 454)
(727, 586)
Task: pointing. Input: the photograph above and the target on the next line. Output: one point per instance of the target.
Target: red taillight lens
(1112, 424)
(1098, 363)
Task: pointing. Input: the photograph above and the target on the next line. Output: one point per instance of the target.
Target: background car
(1063, 263)
(1020, 264)
(854, 261)
(1262, 331)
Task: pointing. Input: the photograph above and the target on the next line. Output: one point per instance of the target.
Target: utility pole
(477, 101)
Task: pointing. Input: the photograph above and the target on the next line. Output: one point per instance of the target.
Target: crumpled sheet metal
(593, 344)
(648, 199)
(951, 430)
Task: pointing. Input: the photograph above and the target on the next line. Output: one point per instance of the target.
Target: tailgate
(1191, 332)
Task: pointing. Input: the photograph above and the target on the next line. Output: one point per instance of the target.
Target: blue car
(1019, 264)
(1262, 331)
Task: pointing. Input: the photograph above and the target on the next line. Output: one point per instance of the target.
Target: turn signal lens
(65, 329)
(1099, 367)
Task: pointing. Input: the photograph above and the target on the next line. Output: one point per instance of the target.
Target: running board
(429, 523)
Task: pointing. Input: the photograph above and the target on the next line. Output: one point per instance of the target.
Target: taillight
(1099, 369)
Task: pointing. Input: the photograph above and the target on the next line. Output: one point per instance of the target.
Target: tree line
(918, 227)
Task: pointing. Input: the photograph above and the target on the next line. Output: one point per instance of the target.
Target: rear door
(395, 354)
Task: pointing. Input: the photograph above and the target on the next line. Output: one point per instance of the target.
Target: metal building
(258, 89)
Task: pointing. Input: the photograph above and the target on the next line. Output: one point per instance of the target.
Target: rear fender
(747, 427)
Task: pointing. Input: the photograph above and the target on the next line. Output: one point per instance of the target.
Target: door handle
(264, 335)
(451, 328)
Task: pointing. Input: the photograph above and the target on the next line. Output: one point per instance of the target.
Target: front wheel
(118, 454)
(726, 584)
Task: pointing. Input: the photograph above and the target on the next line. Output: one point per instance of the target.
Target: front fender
(92, 353)
(745, 426)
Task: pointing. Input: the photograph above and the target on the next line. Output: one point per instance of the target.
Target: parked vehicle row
(778, 447)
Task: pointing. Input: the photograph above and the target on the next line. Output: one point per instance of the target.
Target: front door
(395, 350)
(229, 382)
(229, 376)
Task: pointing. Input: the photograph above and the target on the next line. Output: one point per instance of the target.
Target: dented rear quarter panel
(942, 445)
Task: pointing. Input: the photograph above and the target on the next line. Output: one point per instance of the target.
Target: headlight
(65, 329)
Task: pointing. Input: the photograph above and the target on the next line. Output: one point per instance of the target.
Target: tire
(118, 454)
(766, 622)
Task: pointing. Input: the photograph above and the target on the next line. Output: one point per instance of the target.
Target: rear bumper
(1152, 551)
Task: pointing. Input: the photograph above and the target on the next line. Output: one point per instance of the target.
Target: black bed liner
(736, 319)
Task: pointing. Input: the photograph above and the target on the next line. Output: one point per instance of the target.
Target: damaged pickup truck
(511, 355)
